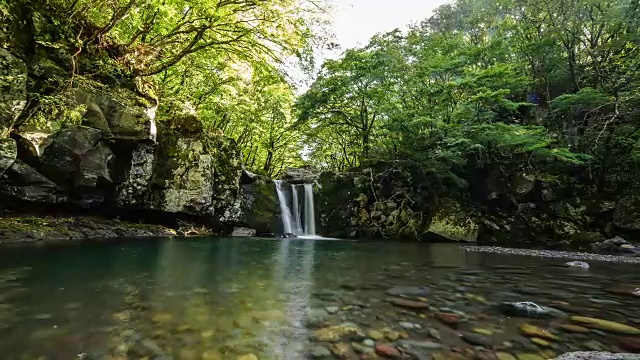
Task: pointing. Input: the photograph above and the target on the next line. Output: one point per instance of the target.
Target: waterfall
(309, 212)
(285, 214)
(295, 204)
(293, 212)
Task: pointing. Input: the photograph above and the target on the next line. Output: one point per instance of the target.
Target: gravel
(553, 254)
(597, 355)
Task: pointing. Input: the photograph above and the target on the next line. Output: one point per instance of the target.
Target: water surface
(222, 298)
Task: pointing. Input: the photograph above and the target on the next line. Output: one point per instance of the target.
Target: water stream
(293, 211)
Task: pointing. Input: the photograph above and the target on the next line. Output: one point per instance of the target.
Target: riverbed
(221, 298)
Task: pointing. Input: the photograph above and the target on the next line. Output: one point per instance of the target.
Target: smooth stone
(319, 352)
(501, 355)
(408, 291)
(248, 357)
(578, 264)
(540, 342)
(376, 335)
(448, 318)
(369, 343)
(428, 345)
(594, 345)
(336, 333)
(316, 316)
(434, 333)
(361, 349)
(341, 350)
(476, 339)
(332, 309)
(630, 344)
(574, 329)
(408, 325)
(482, 331)
(410, 304)
(606, 325)
(388, 351)
(529, 356)
(534, 331)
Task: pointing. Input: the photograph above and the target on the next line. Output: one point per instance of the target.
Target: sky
(356, 21)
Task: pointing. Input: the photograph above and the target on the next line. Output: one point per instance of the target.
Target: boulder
(616, 246)
(23, 183)
(627, 213)
(133, 190)
(119, 113)
(304, 175)
(243, 232)
(76, 157)
(13, 82)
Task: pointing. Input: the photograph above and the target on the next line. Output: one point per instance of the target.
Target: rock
(606, 325)
(23, 183)
(27, 151)
(248, 357)
(376, 335)
(482, 331)
(578, 264)
(627, 213)
(476, 339)
(316, 317)
(303, 175)
(332, 309)
(485, 355)
(501, 355)
(540, 342)
(534, 331)
(369, 343)
(388, 351)
(13, 82)
(616, 246)
(594, 345)
(629, 290)
(528, 309)
(342, 350)
(451, 222)
(596, 355)
(243, 232)
(434, 333)
(211, 355)
(425, 345)
(409, 304)
(574, 329)
(409, 325)
(448, 318)
(319, 352)
(337, 333)
(529, 356)
(409, 291)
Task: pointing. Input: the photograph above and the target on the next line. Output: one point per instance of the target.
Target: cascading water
(292, 212)
(309, 212)
(285, 214)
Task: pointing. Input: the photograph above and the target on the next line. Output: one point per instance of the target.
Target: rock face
(257, 203)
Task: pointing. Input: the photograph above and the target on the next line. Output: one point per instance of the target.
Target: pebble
(319, 352)
(434, 333)
(534, 331)
(574, 329)
(540, 342)
(595, 355)
(332, 309)
(409, 304)
(476, 339)
(448, 318)
(428, 345)
(369, 343)
(388, 351)
(501, 355)
(408, 325)
(552, 254)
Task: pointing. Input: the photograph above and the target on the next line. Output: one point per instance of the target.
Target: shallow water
(224, 298)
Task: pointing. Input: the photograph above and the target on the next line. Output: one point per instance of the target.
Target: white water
(309, 212)
(284, 207)
(292, 213)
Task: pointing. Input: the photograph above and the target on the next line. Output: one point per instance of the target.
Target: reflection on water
(224, 298)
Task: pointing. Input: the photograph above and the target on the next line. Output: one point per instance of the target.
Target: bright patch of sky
(356, 21)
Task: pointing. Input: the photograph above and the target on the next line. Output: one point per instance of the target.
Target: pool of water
(220, 298)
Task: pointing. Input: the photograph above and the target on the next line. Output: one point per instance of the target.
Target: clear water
(224, 298)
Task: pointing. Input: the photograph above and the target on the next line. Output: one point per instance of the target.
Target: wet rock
(409, 326)
(540, 342)
(501, 355)
(594, 345)
(448, 318)
(529, 356)
(425, 345)
(342, 350)
(409, 304)
(529, 309)
(434, 333)
(388, 351)
(616, 246)
(628, 290)
(485, 355)
(376, 335)
(482, 331)
(319, 352)
(316, 317)
(243, 232)
(369, 343)
(248, 357)
(363, 349)
(410, 291)
(337, 333)
(574, 329)
(609, 326)
(534, 331)
(332, 309)
(596, 355)
(578, 264)
(476, 339)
